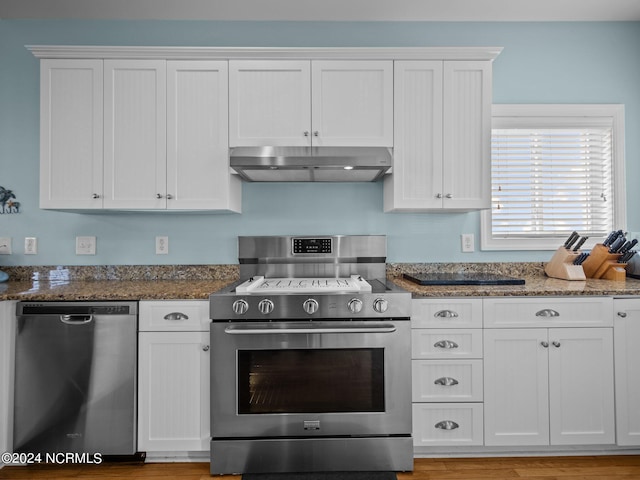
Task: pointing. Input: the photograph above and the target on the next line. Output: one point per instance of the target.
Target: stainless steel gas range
(310, 359)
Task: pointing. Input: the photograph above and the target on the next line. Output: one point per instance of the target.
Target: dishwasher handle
(76, 319)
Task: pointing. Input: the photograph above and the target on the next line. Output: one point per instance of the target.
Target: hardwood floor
(531, 468)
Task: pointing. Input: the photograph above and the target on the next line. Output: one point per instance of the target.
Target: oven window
(311, 381)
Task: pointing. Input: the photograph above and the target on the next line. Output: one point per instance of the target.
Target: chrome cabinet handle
(445, 314)
(622, 314)
(438, 195)
(205, 348)
(446, 381)
(176, 316)
(306, 133)
(547, 312)
(544, 344)
(169, 196)
(95, 195)
(555, 344)
(445, 344)
(316, 133)
(449, 195)
(158, 196)
(447, 425)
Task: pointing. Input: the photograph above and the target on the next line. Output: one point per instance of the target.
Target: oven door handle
(306, 329)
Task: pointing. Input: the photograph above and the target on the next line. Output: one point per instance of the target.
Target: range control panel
(312, 245)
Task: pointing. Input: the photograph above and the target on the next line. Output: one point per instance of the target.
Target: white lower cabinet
(446, 346)
(548, 386)
(173, 380)
(626, 332)
(7, 335)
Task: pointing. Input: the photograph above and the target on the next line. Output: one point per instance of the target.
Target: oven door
(310, 379)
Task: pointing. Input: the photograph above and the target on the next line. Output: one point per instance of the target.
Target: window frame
(562, 115)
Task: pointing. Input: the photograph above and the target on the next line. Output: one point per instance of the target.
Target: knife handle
(580, 243)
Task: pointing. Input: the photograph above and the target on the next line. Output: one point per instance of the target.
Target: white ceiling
(327, 10)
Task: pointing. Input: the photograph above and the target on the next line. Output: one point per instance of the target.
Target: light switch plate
(85, 245)
(5, 245)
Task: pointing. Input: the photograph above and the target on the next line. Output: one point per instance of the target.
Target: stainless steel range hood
(311, 164)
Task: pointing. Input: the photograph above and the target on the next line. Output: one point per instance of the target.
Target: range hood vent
(311, 164)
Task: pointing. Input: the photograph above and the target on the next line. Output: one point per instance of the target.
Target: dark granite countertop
(199, 281)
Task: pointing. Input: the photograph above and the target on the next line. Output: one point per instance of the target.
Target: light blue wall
(541, 63)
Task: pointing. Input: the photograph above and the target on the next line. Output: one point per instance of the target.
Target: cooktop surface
(462, 279)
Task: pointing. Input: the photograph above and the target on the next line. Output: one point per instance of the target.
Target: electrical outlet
(468, 242)
(30, 246)
(162, 245)
(5, 245)
(85, 245)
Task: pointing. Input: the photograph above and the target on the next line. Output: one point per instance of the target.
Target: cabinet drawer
(174, 315)
(447, 380)
(447, 313)
(527, 312)
(447, 424)
(440, 343)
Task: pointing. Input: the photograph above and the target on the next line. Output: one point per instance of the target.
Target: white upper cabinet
(71, 123)
(130, 134)
(269, 103)
(197, 138)
(442, 122)
(135, 173)
(305, 103)
(352, 103)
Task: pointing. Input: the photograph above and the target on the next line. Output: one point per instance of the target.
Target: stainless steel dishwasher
(75, 377)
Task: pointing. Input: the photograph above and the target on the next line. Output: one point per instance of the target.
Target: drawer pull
(176, 316)
(447, 425)
(446, 381)
(445, 344)
(622, 314)
(544, 344)
(547, 312)
(445, 314)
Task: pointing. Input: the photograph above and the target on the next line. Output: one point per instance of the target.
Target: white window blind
(554, 169)
(549, 182)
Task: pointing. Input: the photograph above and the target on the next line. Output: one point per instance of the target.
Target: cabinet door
(71, 119)
(467, 135)
(135, 134)
(173, 391)
(417, 170)
(516, 391)
(269, 103)
(198, 174)
(626, 332)
(352, 103)
(581, 396)
(7, 339)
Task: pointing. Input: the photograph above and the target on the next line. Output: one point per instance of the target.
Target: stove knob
(355, 305)
(240, 307)
(310, 306)
(380, 305)
(265, 306)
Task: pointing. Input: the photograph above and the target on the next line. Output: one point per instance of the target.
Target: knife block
(602, 264)
(561, 266)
